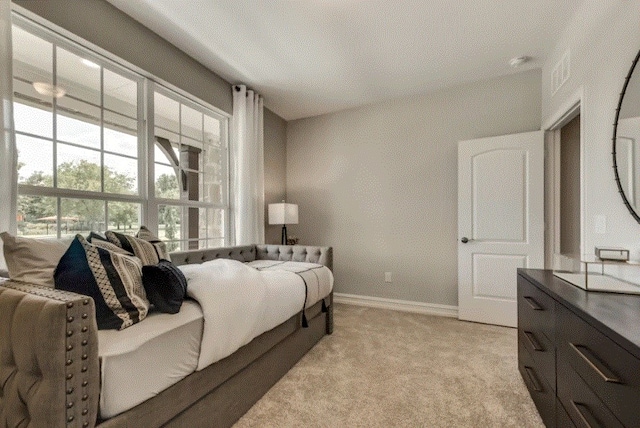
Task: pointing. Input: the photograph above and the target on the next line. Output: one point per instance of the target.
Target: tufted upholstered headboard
(249, 253)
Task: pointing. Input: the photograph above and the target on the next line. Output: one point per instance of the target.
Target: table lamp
(283, 214)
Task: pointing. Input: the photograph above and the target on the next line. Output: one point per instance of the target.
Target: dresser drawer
(542, 394)
(583, 406)
(562, 417)
(536, 331)
(536, 309)
(542, 352)
(609, 370)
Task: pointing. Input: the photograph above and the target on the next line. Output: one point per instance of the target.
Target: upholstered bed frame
(50, 373)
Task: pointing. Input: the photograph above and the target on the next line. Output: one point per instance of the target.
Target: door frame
(571, 108)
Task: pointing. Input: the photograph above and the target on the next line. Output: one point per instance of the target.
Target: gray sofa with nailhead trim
(49, 364)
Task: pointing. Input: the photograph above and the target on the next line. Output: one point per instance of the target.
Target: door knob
(464, 240)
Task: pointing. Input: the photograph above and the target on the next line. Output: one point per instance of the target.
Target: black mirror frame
(615, 137)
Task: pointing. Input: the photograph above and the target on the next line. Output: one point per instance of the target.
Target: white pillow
(33, 260)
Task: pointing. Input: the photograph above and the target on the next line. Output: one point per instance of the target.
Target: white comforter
(239, 303)
(236, 302)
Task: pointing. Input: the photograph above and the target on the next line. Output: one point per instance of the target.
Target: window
(189, 172)
(88, 161)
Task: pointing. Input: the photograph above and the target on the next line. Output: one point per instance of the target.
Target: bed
(54, 363)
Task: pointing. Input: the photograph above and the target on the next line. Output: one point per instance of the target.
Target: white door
(500, 222)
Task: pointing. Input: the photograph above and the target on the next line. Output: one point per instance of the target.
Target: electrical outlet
(387, 277)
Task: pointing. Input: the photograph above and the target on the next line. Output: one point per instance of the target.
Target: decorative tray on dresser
(579, 352)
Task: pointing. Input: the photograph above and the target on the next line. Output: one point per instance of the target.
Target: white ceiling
(309, 57)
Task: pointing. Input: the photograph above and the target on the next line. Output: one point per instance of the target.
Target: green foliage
(39, 178)
(36, 207)
(90, 214)
(81, 175)
(122, 213)
(167, 187)
(169, 217)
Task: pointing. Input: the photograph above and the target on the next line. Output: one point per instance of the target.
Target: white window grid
(145, 133)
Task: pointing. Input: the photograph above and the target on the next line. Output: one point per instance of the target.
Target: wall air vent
(561, 72)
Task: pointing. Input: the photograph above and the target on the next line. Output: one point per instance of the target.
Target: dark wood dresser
(579, 352)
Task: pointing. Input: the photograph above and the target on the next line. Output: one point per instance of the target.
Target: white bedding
(142, 360)
(233, 300)
(240, 302)
(234, 303)
(317, 279)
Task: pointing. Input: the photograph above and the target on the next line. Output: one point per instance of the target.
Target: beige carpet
(385, 368)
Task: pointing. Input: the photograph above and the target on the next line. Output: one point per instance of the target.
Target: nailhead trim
(72, 414)
(69, 348)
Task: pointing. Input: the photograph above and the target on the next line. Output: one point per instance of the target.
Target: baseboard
(397, 305)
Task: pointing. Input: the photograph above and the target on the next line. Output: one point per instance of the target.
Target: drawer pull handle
(532, 302)
(532, 379)
(593, 361)
(533, 341)
(585, 415)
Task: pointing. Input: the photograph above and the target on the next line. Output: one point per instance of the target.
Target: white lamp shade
(283, 213)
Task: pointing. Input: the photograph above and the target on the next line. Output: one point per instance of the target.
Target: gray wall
(603, 39)
(102, 24)
(379, 183)
(275, 172)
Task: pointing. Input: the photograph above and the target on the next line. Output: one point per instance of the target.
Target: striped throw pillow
(112, 279)
(148, 252)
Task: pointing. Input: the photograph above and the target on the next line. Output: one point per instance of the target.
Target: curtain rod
(237, 89)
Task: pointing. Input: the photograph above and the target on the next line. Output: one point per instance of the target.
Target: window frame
(155, 202)
(147, 83)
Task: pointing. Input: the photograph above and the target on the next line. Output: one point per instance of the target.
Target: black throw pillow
(165, 285)
(113, 280)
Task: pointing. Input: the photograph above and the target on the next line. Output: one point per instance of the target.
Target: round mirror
(626, 141)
